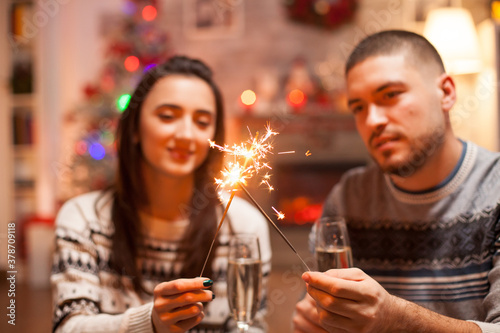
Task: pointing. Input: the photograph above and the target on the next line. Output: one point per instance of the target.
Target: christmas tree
(134, 44)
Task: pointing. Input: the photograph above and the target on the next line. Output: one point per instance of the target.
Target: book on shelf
(22, 124)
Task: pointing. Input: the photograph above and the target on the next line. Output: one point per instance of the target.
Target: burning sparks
(286, 152)
(249, 160)
(279, 214)
(308, 153)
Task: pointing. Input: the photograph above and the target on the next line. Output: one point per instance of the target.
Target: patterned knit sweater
(87, 295)
(439, 248)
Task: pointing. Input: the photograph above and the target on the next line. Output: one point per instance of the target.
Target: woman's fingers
(169, 303)
(177, 305)
(181, 314)
(181, 286)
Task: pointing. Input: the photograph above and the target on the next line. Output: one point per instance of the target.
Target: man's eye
(391, 94)
(356, 109)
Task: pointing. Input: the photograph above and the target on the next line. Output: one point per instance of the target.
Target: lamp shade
(452, 32)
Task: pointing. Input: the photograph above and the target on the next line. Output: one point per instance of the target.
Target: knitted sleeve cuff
(139, 319)
(487, 327)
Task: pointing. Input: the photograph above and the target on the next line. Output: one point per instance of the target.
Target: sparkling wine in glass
(333, 249)
(244, 279)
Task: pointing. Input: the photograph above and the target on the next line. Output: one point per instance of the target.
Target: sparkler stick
(218, 228)
(273, 224)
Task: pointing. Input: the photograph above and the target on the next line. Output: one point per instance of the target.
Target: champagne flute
(333, 249)
(244, 279)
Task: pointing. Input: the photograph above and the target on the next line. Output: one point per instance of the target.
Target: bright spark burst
(279, 214)
(249, 160)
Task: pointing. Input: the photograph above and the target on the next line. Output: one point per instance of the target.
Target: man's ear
(449, 94)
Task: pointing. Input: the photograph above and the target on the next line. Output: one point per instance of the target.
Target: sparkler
(249, 160)
(273, 224)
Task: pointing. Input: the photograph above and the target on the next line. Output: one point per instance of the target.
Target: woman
(127, 258)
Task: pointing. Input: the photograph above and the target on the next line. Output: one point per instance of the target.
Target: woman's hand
(178, 304)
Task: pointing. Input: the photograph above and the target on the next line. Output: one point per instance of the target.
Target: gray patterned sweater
(439, 248)
(86, 295)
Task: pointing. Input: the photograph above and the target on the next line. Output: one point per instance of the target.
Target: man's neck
(435, 170)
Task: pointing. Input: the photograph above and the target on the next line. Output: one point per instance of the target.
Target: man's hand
(178, 304)
(348, 300)
(306, 318)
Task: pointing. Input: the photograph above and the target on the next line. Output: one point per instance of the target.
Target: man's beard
(421, 149)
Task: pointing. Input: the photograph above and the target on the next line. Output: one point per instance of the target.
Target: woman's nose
(185, 128)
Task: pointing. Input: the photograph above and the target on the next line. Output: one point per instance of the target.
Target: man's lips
(383, 141)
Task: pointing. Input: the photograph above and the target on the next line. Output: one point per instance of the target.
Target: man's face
(398, 111)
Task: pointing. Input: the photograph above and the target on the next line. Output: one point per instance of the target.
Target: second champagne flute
(333, 249)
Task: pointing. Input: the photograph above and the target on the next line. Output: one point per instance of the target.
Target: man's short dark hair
(389, 42)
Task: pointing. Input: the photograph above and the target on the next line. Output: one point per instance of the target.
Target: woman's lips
(180, 154)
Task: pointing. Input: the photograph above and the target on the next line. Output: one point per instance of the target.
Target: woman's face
(177, 119)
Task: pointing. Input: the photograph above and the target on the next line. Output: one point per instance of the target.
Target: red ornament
(90, 91)
(323, 13)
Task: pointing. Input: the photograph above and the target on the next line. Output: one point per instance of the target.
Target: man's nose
(376, 117)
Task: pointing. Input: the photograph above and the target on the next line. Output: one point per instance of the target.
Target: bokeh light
(131, 63)
(97, 151)
(81, 147)
(107, 138)
(296, 98)
(149, 13)
(122, 102)
(248, 97)
(148, 67)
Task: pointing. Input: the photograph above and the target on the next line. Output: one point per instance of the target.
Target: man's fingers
(337, 284)
(302, 324)
(306, 318)
(181, 286)
(341, 306)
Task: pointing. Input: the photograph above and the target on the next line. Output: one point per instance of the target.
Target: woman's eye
(166, 116)
(203, 121)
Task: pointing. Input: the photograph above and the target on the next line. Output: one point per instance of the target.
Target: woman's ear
(449, 97)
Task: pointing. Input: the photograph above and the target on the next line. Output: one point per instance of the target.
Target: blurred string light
(107, 138)
(131, 63)
(149, 13)
(81, 147)
(148, 67)
(129, 8)
(97, 151)
(296, 98)
(122, 102)
(248, 97)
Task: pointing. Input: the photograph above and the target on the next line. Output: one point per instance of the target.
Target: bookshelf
(22, 107)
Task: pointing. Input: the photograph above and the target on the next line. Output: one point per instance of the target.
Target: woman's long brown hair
(129, 193)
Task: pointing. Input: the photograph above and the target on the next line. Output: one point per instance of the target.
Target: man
(424, 219)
